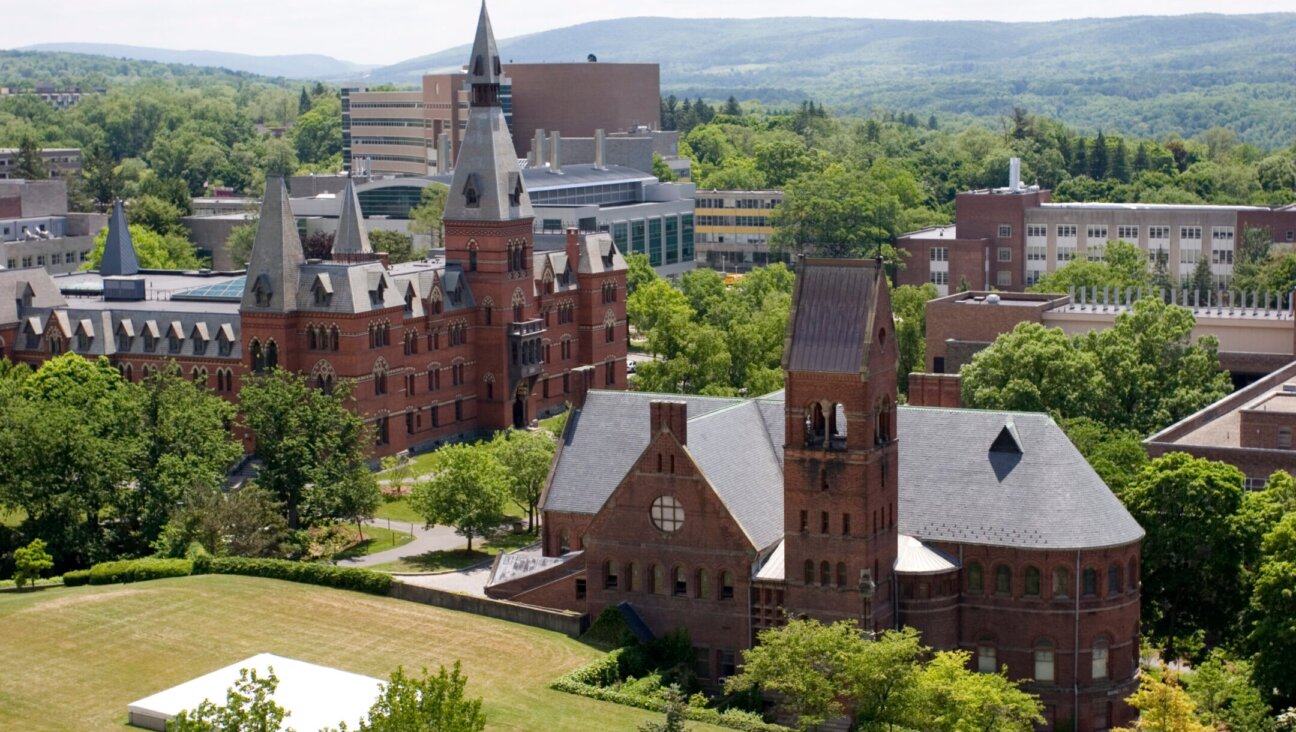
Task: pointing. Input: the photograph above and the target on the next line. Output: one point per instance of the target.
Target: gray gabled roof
(351, 237)
(277, 255)
(954, 488)
(832, 309)
(119, 251)
(14, 283)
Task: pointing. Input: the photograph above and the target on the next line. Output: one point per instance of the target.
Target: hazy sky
(387, 31)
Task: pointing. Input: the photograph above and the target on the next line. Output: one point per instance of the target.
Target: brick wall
(935, 390)
(954, 318)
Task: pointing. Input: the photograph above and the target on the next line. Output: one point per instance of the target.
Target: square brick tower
(840, 467)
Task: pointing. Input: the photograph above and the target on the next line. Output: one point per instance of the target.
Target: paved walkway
(470, 581)
(437, 538)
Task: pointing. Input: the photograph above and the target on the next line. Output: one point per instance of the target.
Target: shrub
(343, 578)
(139, 570)
(76, 578)
(609, 630)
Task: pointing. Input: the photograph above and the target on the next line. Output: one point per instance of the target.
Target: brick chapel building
(987, 531)
(491, 333)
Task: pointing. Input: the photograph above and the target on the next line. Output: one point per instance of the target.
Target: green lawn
(445, 561)
(79, 655)
(399, 510)
(377, 539)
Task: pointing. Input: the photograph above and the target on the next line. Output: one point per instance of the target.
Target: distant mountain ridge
(1145, 75)
(293, 66)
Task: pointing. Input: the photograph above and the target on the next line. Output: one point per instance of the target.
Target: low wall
(562, 621)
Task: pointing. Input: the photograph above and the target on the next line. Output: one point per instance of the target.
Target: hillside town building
(1007, 238)
(494, 332)
(734, 230)
(987, 531)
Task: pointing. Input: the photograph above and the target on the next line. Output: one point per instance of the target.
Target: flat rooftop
(1225, 430)
(935, 232)
(315, 697)
(1101, 205)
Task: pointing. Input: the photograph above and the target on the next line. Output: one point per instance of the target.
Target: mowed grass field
(75, 657)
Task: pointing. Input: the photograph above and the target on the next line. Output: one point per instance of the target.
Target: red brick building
(987, 531)
(490, 334)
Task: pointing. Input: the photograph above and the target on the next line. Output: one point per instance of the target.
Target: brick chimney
(573, 247)
(671, 415)
(582, 380)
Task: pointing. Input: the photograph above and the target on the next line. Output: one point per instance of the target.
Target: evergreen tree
(931, 122)
(1202, 280)
(28, 164)
(1080, 160)
(304, 103)
(1141, 159)
(1098, 158)
(731, 107)
(1120, 162)
(101, 180)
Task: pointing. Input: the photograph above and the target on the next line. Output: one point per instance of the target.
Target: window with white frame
(1190, 232)
(987, 661)
(1005, 231)
(1222, 233)
(1066, 231)
(938, 254)
(1128, 233)
(1036, 231)
(1159, 232)
(1098, 668)
(1066, 254)
(1005, 254)
(1036, 253)
(939, 278)
(1044, 660)
(1188, 255)
(1221, 256)
(1033, 277)
(1095, 251)
(667, 514)
(1003, 278)
(1096, 233)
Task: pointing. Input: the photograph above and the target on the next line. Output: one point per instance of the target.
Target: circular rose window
(667, 514)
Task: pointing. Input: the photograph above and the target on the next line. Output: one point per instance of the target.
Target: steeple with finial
(487, 185)
(119, 250)
(352, 239)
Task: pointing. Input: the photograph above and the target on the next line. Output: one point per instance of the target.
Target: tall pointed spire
(351, 237)
(119, 251)
(487, 184)
(274, 273)
(484, 63)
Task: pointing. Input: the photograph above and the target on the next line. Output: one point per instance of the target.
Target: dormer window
(262, 291)
(200, 337)
(322, 290)
(456, 295)
(376, 295)
(477, 66)
(225, 339)
(175, 338)
(515, 189)
(471, 192)
(125, 336)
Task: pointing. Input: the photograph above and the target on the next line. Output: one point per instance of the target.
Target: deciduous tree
(427, 704)
(526, 456)
(30, 562)
(467, 490)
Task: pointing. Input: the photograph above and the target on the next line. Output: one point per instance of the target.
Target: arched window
(726, 585)
(825, 574)
(987, 657)
(1098, 669)
(1089, 582)
(257, 358)
(610, 576)
(815, 425)
(472, 257)
(1003, 580)
(333, 338)
(658, 580)
(1032, 582)
(518, 302)
(564, 542)
(702, 587)
(681, 582)
(312, 342)
(1061, 582)
(271, 356)
(380, 377)
(1114, 583)
(1044, 660)
(809, 572)
(975, 578)
(841, 574)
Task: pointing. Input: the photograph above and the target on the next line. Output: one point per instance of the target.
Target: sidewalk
(437, 538)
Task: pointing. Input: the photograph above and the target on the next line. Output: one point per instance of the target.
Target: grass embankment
(452, 559)
(377, 539)
(87, 652)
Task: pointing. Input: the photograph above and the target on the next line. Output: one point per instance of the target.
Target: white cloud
(387, 31)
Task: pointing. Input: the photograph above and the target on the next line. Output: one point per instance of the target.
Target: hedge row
(343, 578)
(587, 681)
(138, 570)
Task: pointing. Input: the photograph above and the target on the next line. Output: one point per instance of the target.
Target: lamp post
(866, 588)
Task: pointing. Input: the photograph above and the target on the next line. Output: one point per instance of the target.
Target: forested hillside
(1144, 76)
(293, 66)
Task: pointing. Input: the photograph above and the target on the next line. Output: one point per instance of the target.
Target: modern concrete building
(725, 516)
(1007, 238)
(1250, 429)
(733, 229)
(62, 162)
(420, 132)
(36, 229)
(48, 93)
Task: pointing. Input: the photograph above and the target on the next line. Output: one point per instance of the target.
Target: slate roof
(351, 237)
(832, 315)
(277, 255)
(952, 486)
(119, 251)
